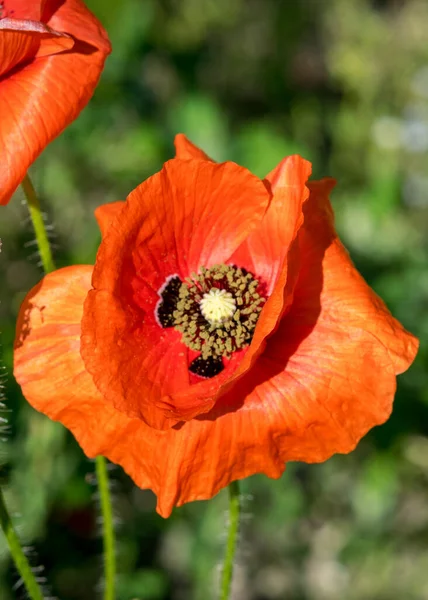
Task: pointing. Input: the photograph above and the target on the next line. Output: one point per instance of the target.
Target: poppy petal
(347, 299)
(178, 214)
(271, 251)
(105, 214)
(186, 149)
(141, 366)
(48, 365)
(73, 17)
(21, 9)
(54, 42)
(172, 463)
(47, 362)
(327, 375)
(15, 47)
(50, 91)
(170, 225)
(198, 459)
(267, 246)
(50, 370)
(305, 398)
(21, 41)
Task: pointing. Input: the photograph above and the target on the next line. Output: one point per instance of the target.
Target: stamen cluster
(218, 338)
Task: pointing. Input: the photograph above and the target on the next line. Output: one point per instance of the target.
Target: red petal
(74, 18)
(50, 370)
(22, 9)
(188, 463)
(268, 246)
(195, 213)
(47, 362)
(22, 41)
(180, 465)
(346, 299)
(133, 361)
(271, 251)
(15, 47)
(49, 91)
(105, 214)
(186, 150)
(327, 375)
(192, 213)
(198, 459)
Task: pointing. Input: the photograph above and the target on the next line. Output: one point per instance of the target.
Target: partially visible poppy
(51, 56)
(222, 332)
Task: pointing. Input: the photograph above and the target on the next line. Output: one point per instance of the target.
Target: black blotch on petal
(206, 367)
(168, 303)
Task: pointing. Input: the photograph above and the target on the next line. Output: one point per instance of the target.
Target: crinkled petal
(271, 251)
(133, 361)
(50, 370)
(328, 374)
(74, 18)
(185, 149)
(265, 250)
(196, 460)
(22, 41)
(346, 299)
(172, 463)
(105, 214)
(191, 214)
(40, 98)
(15, 47)
(22, 9)
(47, 362)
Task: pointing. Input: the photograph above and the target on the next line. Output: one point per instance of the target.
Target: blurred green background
(345, 84)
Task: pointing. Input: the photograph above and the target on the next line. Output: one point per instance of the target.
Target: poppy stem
(38, 224)
(108, 529)
(101, 468)
(232, 540)
(21, 563)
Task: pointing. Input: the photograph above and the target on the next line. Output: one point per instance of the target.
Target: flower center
(217, 306)
(216, 311)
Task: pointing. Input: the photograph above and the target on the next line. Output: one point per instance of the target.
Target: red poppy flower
(222, 332)
(51, 56)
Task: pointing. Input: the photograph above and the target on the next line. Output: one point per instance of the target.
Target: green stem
(101, 469)
(232, 540)
(108, 529)
(38, 224)
(21, 563)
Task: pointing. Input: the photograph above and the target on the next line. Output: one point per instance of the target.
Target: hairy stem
(232, 540)
(108, 529)
(38, 224)
(21, 563)
(101, 468)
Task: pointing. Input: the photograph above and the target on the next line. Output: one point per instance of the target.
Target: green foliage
(345, 84)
